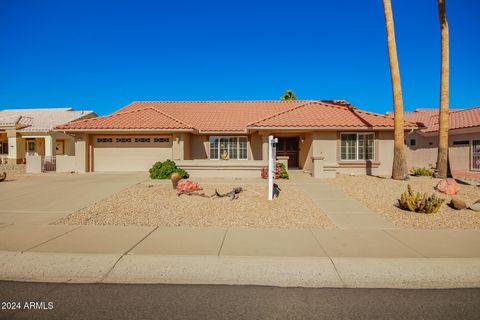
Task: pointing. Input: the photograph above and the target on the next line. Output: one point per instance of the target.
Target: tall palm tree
(399, 170)
(288, 95)
(442, 158)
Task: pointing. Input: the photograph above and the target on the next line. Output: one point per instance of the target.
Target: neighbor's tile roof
(319, 114)
(457, 119)
(32, 120)
(237, 116)
(146, 118)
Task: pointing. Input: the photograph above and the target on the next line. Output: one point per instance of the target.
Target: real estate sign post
(271, 164)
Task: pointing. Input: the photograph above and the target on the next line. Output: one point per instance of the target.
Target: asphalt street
(117, 301)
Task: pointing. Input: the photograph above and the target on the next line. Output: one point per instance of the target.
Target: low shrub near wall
(163, 170)
(421, 172)
(280, 171)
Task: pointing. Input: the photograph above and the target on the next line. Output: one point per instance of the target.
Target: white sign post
(271, 164)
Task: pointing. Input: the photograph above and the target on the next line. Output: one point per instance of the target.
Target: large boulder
(448, 186)
(458, 204)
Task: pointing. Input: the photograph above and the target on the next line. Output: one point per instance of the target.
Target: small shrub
(417, 203)
(163, 170)
(280, 172)
(283, 170)
(421, 172)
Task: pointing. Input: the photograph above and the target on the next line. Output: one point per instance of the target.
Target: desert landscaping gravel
(381, 194)
(157, 204)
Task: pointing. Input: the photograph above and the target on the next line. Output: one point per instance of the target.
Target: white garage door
(130, 153)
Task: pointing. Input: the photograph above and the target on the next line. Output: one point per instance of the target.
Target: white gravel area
(157, 204)
(381, 194)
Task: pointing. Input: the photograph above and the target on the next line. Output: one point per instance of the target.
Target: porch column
(264, 145)
(49, 146)
(81, 144)
(16, 147)
(178, 147)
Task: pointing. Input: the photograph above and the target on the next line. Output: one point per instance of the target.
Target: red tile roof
(235, 116)
(146, 118)
(319, 114)
(457, 119)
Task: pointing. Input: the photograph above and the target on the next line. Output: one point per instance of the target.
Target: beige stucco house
(463, 136)
(30, 132)
(229, 138)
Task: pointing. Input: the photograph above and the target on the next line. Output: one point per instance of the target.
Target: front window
(357, 146)
(228, 148)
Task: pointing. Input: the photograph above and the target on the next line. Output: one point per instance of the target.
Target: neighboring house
(320, 137)
(463, 140)
(30, 132)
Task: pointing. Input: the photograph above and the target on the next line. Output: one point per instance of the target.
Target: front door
(289, 147)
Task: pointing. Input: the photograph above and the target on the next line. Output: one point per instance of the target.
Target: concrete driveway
(41, 199)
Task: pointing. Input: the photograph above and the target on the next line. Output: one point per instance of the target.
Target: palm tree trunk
(442, 158)
(399, 170)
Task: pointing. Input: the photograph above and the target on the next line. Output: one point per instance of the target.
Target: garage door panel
(130, 153)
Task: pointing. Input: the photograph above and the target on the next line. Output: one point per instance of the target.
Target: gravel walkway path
(156, 204)
(381, 194)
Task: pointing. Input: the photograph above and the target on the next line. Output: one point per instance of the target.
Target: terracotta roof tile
(146, 118)
(235, 116)
(458, 119)
(319, 114)
(42, 119)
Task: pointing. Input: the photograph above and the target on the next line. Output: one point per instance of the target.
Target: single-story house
(26, 132)
(463, 140)
(319, 137)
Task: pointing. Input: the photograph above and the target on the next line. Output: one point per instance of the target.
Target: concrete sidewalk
(282, 257)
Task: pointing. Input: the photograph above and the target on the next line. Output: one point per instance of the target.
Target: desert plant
(280, 171)
(418, 203)
(163, 170)
(283, 170)
(421, 172)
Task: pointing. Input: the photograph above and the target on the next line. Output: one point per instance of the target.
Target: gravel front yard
(381, 194)
(158, 205)
(14, 171)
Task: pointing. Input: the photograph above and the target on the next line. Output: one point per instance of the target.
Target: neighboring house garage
(130, 152)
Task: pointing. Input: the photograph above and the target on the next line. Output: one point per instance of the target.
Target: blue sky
(102, 55)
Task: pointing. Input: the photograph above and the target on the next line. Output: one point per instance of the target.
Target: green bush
(421, 172)
(163, 170)
(283, 170)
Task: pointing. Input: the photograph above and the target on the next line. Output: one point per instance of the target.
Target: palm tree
(288, 95)
(442, 158)
(399, 170)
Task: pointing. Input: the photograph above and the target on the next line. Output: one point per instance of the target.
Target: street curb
(318, 272)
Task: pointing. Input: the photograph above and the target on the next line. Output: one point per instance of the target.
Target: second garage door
(130, 153)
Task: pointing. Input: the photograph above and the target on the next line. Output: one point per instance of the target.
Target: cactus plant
(418, 203)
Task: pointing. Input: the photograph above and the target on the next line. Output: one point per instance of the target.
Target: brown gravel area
(159, 205)
(14, 171)
(381, 194)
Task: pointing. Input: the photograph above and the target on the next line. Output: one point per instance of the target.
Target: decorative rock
(458, 204)
(448, 186)
(175, 177)
(475, 206)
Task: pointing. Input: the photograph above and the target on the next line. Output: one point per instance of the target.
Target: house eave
(124, 130)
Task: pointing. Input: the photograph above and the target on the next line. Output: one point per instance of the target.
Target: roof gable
(32, 120)
(146, 118)
(325, 115)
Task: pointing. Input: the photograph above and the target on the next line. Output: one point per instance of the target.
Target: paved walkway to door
(344, 211)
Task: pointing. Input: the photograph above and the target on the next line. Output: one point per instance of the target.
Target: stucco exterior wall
(305, 155)
(198, 147)
(424, 152)
(256, 145)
